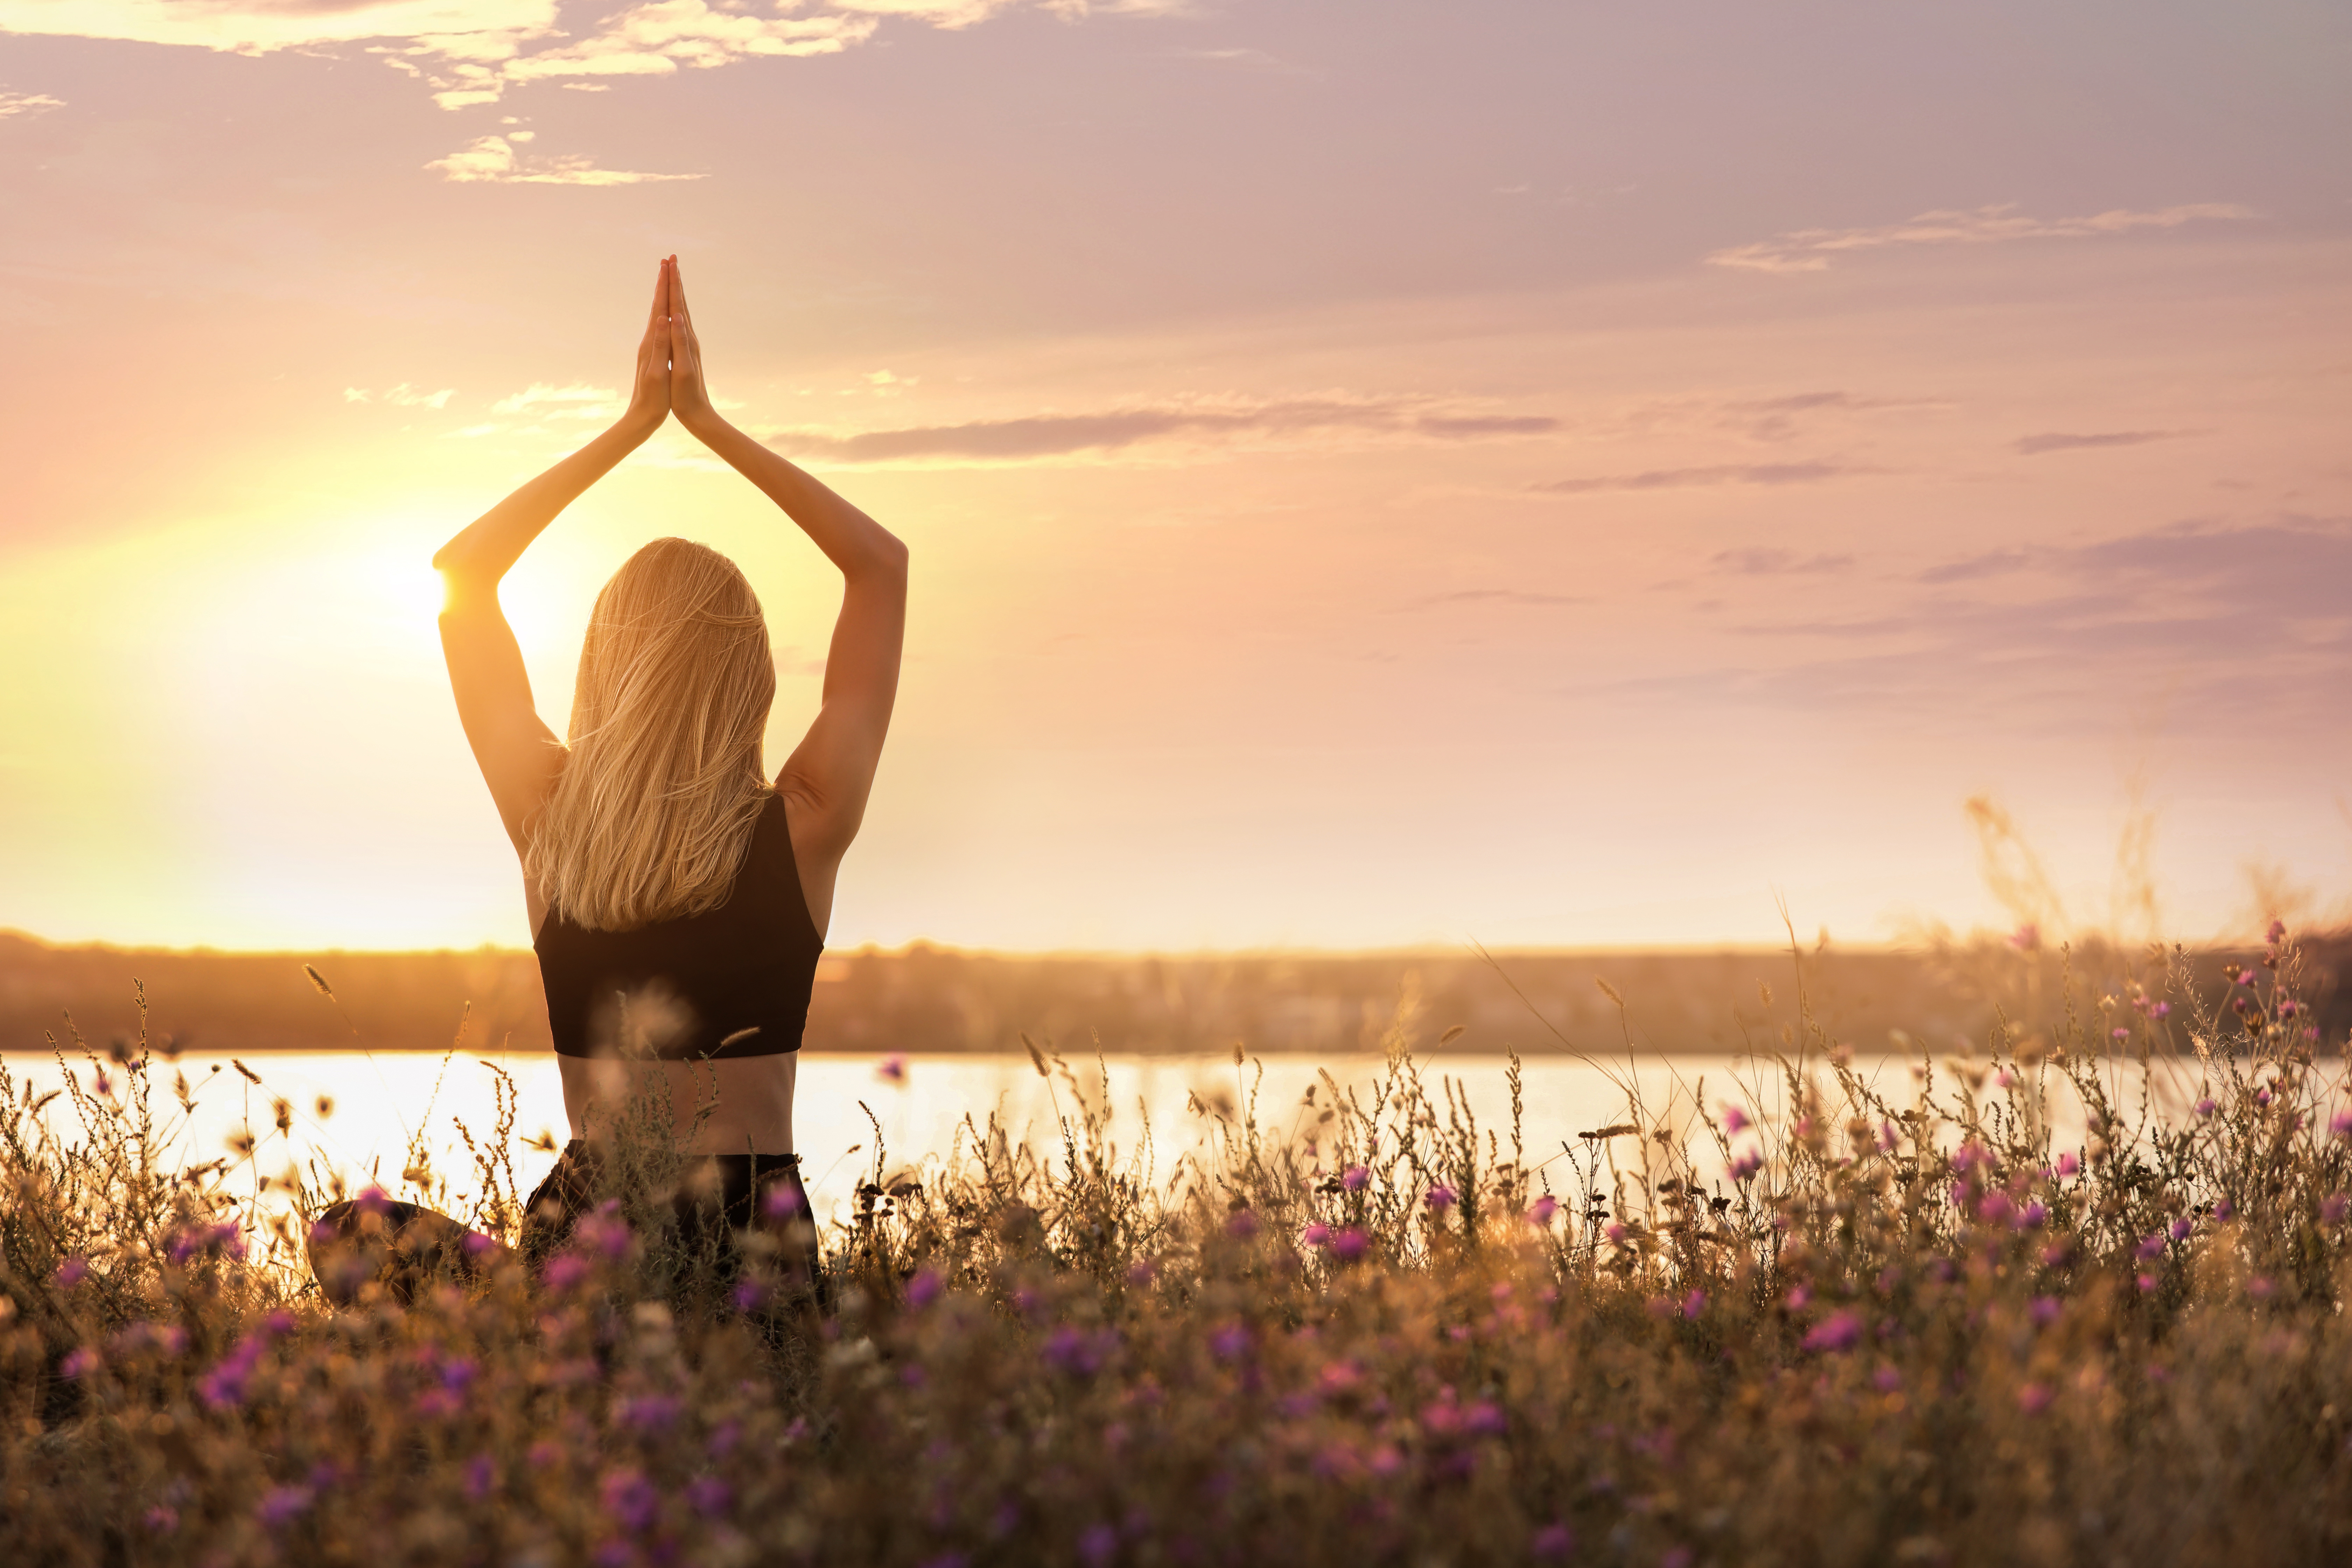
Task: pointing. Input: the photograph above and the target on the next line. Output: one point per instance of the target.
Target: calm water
(381, 1099)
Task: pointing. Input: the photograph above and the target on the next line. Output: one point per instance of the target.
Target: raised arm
(829, 775)
(517, 754)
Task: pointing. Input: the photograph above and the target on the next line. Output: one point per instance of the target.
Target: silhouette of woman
(678, 898)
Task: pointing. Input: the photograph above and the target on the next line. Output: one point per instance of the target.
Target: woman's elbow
(886, 560)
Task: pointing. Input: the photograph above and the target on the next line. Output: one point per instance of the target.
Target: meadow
(2070, 1293)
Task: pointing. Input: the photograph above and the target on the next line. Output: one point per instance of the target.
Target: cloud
(2034, 446)
(493, 160)
(1810, 249)
(472, 52)
(1724, 474)
(1768, 562)
(578, 401)
(2246, 621)
(13, 104)
(401, 396)
(1998, 564)
(1039, 436)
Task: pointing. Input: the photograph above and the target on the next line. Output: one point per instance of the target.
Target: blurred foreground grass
(1925, 1327)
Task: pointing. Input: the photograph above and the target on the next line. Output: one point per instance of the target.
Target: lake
(381, 1097)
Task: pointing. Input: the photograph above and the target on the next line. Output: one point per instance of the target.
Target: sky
(1525, 472)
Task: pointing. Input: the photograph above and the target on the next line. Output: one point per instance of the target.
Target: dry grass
(1857, 1329)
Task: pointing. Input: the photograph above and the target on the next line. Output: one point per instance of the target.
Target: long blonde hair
(653, 813)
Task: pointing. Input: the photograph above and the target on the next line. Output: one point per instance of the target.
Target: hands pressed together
(670, 362)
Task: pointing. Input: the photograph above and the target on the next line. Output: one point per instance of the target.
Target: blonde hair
(662, 782)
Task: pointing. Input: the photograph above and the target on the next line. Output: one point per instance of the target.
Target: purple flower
(481, 1474)
(2180, 1228)
(2120, 1033)
(2044, 1311)
(2260, 1288)
(2207, 1106)
(2223, 1208)
(1735, 1120)
(1097, 1544)
(1349, 1244)
(924, 1289)
(2331, 1209)
(1241, 1225)
(1074, 1354)
(564, 1272)
(748, 1294)
(281, 1506)
(373, 1200)
(1839, 1332)
(2147, 1283)
(2340, 1124)
(2026, 938)
(2159, 1010)
(1316, 1234)
(1438, 1198)
(72, 1271)
(708, 1494)
(1800, 1298)
(479, 1245)
(630, 1498)
(650, 1412)
(223, 1387)
(2151, 1247)
(1540, 1212)
(891, 1068)
(1996, 1209)
(1746, 1164)
(161, 1519)
(2030, 1217)
(1354, 1178)
(81, 1362)
(1230, 1343)
(2034, 1398)
(1552, 1540)
(1142, 1272)
(1886, 1380)
(2277, 933)
(1694, 1305)
(2067, 1164)
(783, 1202)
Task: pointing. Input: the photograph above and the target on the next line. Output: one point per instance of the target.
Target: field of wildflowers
(2073, 1297)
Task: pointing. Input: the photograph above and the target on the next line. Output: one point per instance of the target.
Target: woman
(678, 898)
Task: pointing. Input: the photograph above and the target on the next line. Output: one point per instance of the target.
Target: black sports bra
(730, 982)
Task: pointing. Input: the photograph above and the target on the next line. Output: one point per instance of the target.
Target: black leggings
(404, 1246)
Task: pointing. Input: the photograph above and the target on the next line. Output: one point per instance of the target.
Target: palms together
(670, 359)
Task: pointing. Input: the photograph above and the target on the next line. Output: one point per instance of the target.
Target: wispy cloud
(495, 160)
(1771, 563)
(2058, 441)
(1811, 249)
(1718, 474)
(1034, 437)
(471, 52)
(577, 401)
(13, 104)
(401, 396)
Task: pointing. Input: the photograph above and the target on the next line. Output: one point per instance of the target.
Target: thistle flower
(1349, 1244)
(1317, 1235)
(2340, 1124)
(629, 1499)
(2206, 1106)
(2045, 1310)
(72, 1271)
(1694, 1305)
(2331, 1209)
(2034, 1398)
(1838, 1332)
(1735, 1120)
(924, 1289)
(1746, 1165)
(1438, 1198)
(1553, 1540)
(891, 1068)
(281, 1506)
(2067, 1164)
(1354, 1178)
(1540, 1213)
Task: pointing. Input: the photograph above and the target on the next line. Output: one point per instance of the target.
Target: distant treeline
(933, 999)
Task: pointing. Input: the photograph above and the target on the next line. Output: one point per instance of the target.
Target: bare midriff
(739, 1105)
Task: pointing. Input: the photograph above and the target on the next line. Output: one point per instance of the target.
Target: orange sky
(1376, 473)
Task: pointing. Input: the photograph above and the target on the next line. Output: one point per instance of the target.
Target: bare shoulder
(817, 850)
